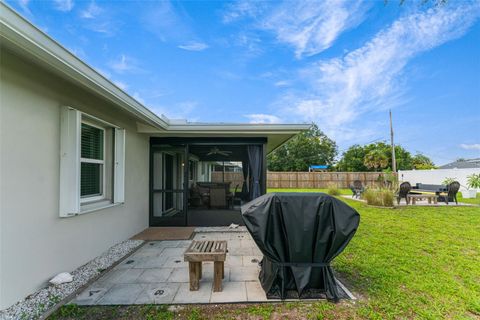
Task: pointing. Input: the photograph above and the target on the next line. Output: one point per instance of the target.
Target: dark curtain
(245, 176)
(255, 161)
(299, 235)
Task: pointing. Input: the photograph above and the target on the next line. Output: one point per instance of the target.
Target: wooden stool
(200, 251)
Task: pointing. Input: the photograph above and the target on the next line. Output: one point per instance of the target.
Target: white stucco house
(83, 165)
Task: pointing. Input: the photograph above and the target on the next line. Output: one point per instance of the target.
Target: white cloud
(474, 146)
(167, 21)
(312, 26)
(240, 9)
(126, 64)
(99, 20)
(92, 11)
(194, 46)
(64, 5)
(370, 77)
(263, 118)
(309, 27)
(282, 83)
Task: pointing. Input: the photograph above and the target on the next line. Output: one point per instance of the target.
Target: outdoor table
(429, 196)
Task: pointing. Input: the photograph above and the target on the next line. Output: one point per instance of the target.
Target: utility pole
(394, 161)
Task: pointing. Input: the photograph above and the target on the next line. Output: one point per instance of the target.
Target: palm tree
(375, 159)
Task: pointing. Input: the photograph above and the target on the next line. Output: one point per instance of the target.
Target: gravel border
(39, 303)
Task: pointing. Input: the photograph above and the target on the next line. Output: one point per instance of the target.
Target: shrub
(333, 190)
(379, 197)
(447, 181)
(473, 181)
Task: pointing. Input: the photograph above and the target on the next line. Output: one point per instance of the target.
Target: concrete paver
(121, 294)
(157, 274)
(158, 293)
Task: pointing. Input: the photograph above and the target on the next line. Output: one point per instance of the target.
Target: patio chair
(218, 198)
(404, 189)
(452, 192)
(357, 189)
(195, 199)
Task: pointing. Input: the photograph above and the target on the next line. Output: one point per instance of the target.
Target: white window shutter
(70, 126)
(119, 168)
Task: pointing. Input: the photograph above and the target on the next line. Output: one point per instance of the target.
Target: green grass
(409, 263)
(416, 261)
(471, 201)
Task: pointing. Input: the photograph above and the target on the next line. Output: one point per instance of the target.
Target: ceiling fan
(215, 151)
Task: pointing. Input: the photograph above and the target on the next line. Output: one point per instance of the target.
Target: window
(92, 163)
(92, 170)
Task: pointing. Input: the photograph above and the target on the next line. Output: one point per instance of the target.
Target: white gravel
(33, 306)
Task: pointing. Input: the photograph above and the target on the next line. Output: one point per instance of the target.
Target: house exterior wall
(35, 243)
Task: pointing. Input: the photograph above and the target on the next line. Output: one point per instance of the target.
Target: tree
(309, 147)
(422, 162)
(376, 159)
(353, 159)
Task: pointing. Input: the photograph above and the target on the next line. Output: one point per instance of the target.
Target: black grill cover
(299, 235)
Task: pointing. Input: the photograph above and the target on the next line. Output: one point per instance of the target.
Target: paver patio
(157, 274)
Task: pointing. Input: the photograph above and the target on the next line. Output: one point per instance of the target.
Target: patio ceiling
(236, 153)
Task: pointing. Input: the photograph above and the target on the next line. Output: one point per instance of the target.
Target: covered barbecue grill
(299, 235)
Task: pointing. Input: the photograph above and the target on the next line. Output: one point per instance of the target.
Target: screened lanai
(204, 181)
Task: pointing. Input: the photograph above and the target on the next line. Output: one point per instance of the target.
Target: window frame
(70, 201)
(103, 185)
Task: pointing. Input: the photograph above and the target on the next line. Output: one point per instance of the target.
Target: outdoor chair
(357, 189)
(405, 188)
(195, 199)
(218, 198)
(452, 192)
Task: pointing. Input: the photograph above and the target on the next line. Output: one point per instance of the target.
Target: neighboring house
(227, 167)
(462, 164)
(84, 166)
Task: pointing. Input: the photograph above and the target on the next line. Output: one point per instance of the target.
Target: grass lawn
(409, 263)
(472, 201)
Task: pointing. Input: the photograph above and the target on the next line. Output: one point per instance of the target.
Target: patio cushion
(299, 235)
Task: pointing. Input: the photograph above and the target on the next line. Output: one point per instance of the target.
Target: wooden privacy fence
(236, 178)
(307, 180)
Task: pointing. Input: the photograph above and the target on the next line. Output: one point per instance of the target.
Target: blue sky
(341, 64)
